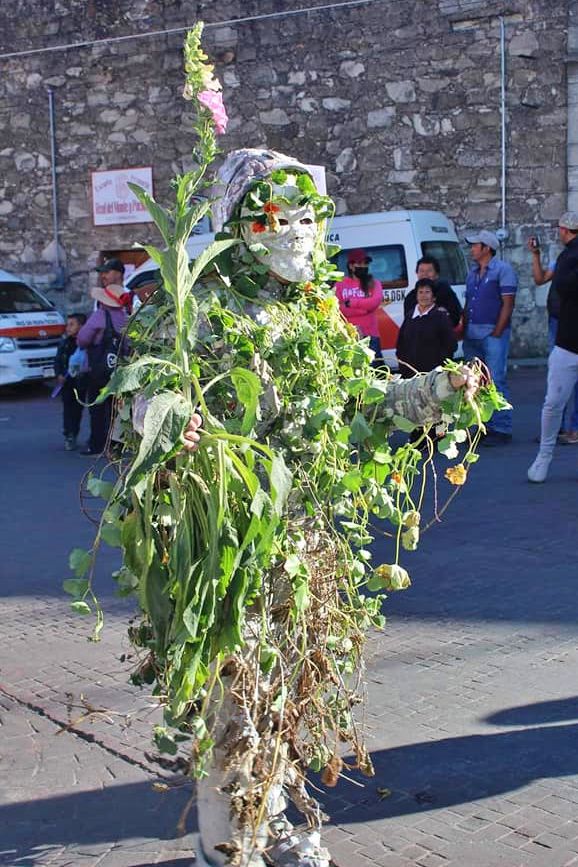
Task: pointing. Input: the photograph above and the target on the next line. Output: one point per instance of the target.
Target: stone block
(335, 103)
(275, 117)
(351, 68)
(401, 91)
(426, 126)
(380, 117)
(346, 161)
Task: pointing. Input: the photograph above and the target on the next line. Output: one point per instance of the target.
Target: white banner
(112, 201)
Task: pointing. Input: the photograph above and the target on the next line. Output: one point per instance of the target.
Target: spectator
(569, 430)
(359, 295)
(426, 337)
(563, 360)
(72, 383)
(490, 293)
(428, 268)
(143, 286)
(103, 327)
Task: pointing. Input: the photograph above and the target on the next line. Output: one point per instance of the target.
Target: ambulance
(30, 331)
(395, 240)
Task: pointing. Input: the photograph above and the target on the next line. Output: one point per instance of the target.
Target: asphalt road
(473, 698)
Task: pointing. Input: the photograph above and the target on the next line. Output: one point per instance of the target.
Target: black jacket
(565, 283)
(425, 342)
(445, 297)
(65, 349)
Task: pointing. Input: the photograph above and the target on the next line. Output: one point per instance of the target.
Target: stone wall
(399, 100)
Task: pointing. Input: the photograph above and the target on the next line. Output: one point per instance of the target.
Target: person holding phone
(568, 434)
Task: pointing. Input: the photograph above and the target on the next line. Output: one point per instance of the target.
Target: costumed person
(257, 453)
(359, 295)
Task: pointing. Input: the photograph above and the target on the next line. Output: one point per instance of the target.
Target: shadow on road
(444, 773)
(553, 711)
(116, 813)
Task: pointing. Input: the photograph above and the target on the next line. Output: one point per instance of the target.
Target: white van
(30, 331)
(395, 240)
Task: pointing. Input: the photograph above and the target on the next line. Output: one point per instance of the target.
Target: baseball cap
(144, 279)
(359, 255)
(111, 265)
(569, 220)
(484, 237)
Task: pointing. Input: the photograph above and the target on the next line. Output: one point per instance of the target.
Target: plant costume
(249, 557)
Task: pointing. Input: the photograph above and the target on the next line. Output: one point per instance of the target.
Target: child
(71, 381)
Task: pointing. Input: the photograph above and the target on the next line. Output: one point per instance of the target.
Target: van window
(388, 265)
(449, 254)
(20, 298)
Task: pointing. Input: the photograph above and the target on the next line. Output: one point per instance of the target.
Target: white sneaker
(538, 472)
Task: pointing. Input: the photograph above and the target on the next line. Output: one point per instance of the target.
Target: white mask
(289, 255)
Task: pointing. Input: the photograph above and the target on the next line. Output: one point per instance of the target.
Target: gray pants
(562, 375)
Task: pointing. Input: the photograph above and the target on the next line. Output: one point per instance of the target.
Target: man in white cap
(563, 360)
(490, 293)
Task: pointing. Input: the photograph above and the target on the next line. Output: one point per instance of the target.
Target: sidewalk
(473, 703)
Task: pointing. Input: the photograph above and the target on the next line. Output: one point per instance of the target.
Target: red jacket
(358, 308)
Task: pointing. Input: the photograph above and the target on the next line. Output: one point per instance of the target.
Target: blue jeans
(570, 417)
(493, 351)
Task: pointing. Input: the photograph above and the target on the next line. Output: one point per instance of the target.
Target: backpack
(102, 357)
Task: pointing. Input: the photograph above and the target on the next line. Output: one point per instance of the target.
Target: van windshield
(388, 264)
(452, 261)
(20, 298)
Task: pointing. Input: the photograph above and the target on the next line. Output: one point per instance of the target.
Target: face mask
(361, 269)
(290, 246)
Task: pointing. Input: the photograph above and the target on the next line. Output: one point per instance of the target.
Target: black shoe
(496, 438)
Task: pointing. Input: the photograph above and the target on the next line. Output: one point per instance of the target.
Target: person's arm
(368, 303)
(540, 275)
(419, 399)
(90, 329)
(505, 315)
(508, 284)
(452, 305)
(409, 303)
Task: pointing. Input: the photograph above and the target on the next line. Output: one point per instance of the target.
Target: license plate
(47, 372)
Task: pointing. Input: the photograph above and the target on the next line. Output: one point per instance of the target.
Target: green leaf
(281, 480)
(471, 458)
(403, 424)
(100, 487)
(111, 534)
(248, 388)
(75, 586)
(162, 218)
(165, 419)
(185, 224)
(352, 481)
(80, 607)
(80, 561)
(209, 253)
(164, 741)
(130, 377)
(375, 393)
(447, 447)
(360, 430)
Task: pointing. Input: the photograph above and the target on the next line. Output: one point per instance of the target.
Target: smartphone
(535, 242)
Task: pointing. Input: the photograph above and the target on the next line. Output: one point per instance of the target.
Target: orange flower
(271, 208)
(308, 288)
(258, 227)
(396, 478)
(457, 475)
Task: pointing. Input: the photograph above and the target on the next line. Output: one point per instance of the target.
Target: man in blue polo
(490, 292)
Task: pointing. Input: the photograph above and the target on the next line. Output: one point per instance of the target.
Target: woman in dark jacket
(426, 337)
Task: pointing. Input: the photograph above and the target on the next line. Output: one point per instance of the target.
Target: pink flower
(214, 102)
